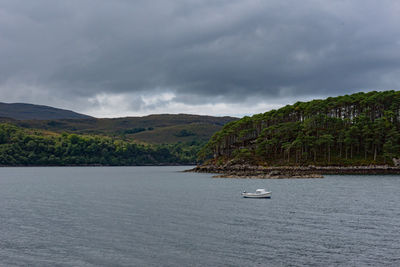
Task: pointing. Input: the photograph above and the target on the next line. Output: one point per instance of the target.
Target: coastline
(99, 165)
(293, 172)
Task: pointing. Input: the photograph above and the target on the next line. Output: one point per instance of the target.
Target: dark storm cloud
(219, 51)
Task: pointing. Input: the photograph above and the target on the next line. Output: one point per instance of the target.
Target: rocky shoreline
(261, 172)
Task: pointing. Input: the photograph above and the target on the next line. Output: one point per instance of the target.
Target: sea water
(160, 216)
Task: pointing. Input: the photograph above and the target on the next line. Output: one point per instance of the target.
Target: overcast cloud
(120, 57)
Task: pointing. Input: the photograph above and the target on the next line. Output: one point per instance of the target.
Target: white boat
(260, 193)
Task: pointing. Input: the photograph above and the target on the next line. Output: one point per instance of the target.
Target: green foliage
(152, 129)
(197, 132)
(134, 130)
(21, 147)
(243, 154)
(362, 128)
(168, 139)
(184, 132)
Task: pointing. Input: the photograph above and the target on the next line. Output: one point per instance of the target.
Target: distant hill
(151, 140)
(50, 136)
(152, 129)
(22, 111)
(178, 133)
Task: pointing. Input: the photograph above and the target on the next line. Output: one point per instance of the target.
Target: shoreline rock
(268, 176)
(291, 172)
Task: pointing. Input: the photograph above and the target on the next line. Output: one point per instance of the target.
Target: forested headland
(350, 130)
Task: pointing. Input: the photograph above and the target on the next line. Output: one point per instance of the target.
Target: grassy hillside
(22, 111)
(155, 129)
(149, 140)
(177, 133)
(357, 129)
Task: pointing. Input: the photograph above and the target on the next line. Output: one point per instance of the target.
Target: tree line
(27, 147)
(361, 128)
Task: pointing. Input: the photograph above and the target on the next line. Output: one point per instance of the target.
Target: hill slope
(150, 140)
(357, 129)
(24, 147)
(28, 137)
(22, 111)
(154, 129)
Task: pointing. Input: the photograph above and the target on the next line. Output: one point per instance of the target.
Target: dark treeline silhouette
(357, 129)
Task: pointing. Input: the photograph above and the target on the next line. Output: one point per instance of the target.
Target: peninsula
(351, 134)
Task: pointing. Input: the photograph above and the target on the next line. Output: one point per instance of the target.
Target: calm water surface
(158, 216)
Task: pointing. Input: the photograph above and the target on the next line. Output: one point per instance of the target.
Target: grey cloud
(218, 51)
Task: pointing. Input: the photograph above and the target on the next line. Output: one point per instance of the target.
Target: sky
(212, 57)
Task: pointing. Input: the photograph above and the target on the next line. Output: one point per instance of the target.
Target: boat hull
(253, 195)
